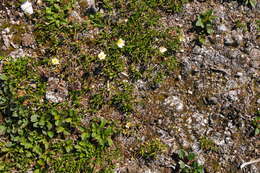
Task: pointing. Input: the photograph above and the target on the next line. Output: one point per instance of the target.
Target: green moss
(208, 144)
(151, 149)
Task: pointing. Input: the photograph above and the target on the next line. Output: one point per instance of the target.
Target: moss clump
(151, 149)
(208, 144)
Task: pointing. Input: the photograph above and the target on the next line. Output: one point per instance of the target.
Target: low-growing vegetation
(188, 163)
(41, 134)
(151, 149)
(204, 25)
(79, 85)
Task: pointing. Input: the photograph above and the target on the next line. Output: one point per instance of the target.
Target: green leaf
(27, 145)
(182, 164)
(37, 149)
(191, 156)
(85, 136)
(68, 120)
(110, 142)
(60, 129)
(41, 162)
(15, 114)
(2, 130)
(66, 133)
(257, 131)
(49, 125)
(68, 148)
(58, 122)
(199, 23)
(42, 121)
(3, 77)
(50, 134)
(252, 3)
(34, 118)
(181, 154)
(37, 171)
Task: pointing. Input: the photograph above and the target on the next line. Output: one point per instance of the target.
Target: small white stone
(174, 102)
(162, 49)
(27, 7)
(222, 28)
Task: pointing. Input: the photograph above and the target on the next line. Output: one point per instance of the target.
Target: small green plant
(205, 22)
(122, 100)
(150, 149)
(96, 102)
(101, 132)
(256, 123)
(187, 162)
(258, 25)
(168, 5)
(204, 25)
(207, 144)
(252, 3)
(241, 25)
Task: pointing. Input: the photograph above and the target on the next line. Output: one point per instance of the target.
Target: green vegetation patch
(256, 123)
(204, 25)
(187, 162)
(43, 136)
(208, 144)
(151, 149)
(100, 68)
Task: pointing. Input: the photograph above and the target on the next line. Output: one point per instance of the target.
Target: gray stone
(75, 17)
(238, 37)
(233, 95)
(174, 103)
(222, 28)
(17, 53)
(255, 54)
(213, 100)
(229, 41)
(56, 91)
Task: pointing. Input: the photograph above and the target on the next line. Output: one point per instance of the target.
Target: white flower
(27, 7)
(162, 49)
(120, 43)
(102, 55)
(181, 37)
(55, 61)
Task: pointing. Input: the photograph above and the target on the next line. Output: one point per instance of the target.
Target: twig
(249, 163)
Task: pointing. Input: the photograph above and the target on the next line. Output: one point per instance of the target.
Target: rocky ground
(207, 106)
(215, 93)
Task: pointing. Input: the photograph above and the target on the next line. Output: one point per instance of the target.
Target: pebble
(222, 28)
(233, 95)
(27, 7)
(174, 102)
(229, 41)
(17, 53)
(75, 17)
(238, 37)
(213, 100)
